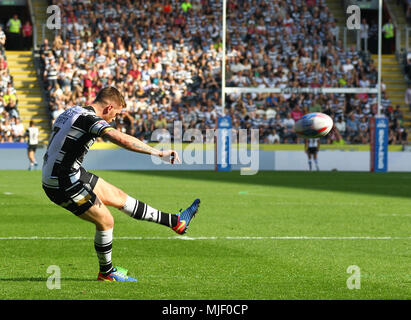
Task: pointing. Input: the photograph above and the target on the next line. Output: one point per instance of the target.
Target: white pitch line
(218, 238)
(394, 215)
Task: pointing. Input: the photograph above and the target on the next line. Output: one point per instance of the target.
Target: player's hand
(170, 156)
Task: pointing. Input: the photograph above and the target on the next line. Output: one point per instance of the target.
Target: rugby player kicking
(86, 195)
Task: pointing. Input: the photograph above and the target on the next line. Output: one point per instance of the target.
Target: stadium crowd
(11, 127)
(165, 57)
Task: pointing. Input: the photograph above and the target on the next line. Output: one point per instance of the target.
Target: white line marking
(218, 238)
(394, 215)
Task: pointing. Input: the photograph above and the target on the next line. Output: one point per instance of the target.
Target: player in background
(32, 135)
(69, 185)
(312, 146)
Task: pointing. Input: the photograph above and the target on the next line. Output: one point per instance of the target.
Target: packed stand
(296, 44)
(406, 5)
(11, 128)
(165, 57)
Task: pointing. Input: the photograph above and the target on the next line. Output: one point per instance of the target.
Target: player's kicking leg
(115, 197)
(108, 195)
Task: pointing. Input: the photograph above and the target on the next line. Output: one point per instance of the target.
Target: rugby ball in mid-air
(314, 125)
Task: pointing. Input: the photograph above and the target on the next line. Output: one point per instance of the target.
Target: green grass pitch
(274, 235)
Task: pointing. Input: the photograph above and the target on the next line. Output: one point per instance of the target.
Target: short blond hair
(110, 94)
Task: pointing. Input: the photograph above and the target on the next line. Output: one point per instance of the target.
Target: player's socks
(103, 244)
(310, 164)
(142, 211)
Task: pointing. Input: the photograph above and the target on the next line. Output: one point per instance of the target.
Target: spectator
(186, 5)
(273, 137)
(17, 129)
(27, 35)
(407, 65)
(352, 128)
(398, 114)
(166, 62)
(341, 126)
(289, 133)
(14, 29)
(364, 34)
(296, 114)
(402, 136)
(335, 30)
(407, 96)
(388, 31)
(363, 130)
(392, 137)
(51, 74)
(10, 103)
(2, 41)
(10, 123)
(161, 122)
(57, 112)
(5, 129)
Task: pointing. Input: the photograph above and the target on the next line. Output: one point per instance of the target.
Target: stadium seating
(11, 127)
(166, 60)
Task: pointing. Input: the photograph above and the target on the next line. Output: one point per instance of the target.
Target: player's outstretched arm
(133, 144)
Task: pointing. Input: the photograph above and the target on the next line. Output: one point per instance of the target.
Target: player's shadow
(42, 279)
(384, 184)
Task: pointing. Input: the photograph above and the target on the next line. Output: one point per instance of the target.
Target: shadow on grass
(383, 184)
(39, 279)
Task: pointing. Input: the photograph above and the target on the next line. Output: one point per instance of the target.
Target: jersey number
(55, 131)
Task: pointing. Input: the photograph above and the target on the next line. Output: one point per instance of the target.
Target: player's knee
(100, 216)
(117, 198)
(105, 222)
(109, 194)
(109, 224)
(120, 194)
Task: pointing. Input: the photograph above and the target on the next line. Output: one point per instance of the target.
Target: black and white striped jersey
(313, 142)
(32, 134)
(73, 132)
(52, 72)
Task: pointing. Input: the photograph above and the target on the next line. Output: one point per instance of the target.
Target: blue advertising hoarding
(223, 144)
(379, 144)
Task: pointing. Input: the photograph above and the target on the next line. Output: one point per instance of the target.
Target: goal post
(379, 138)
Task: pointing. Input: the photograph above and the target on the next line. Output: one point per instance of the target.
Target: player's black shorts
(312, 150)
(77, 197)
(32, 147)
